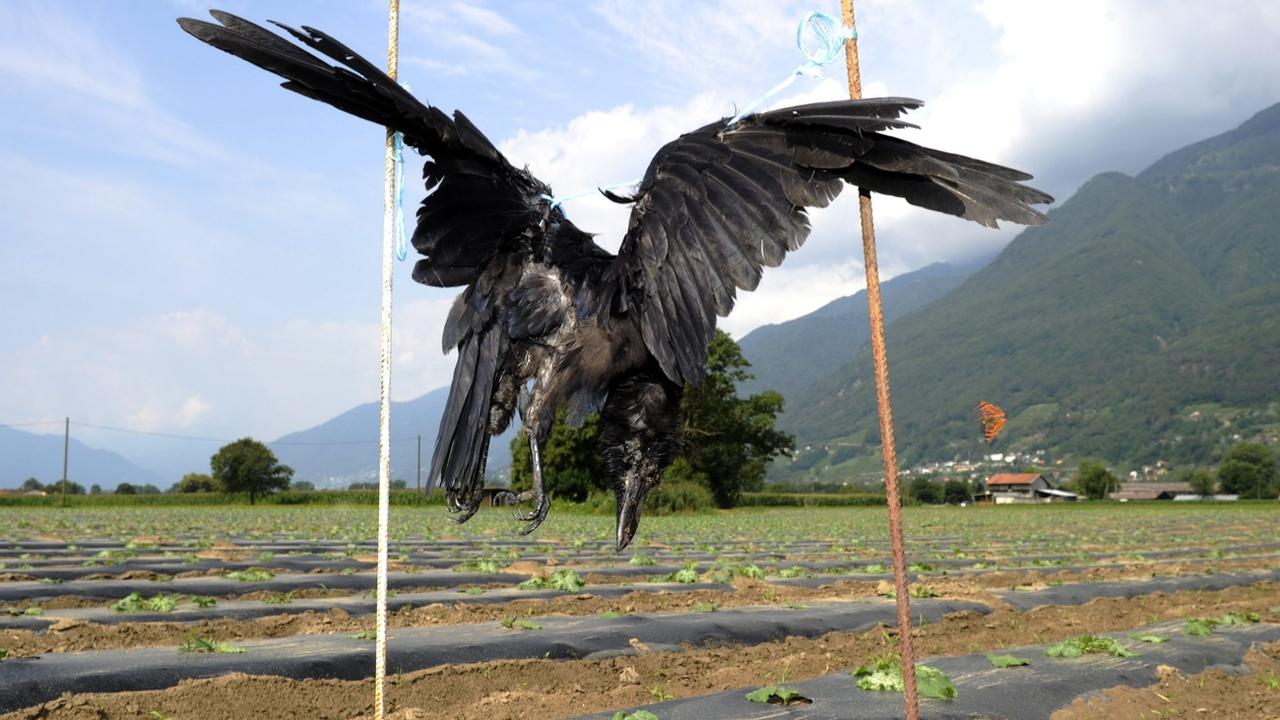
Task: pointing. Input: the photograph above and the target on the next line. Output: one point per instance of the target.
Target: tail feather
(463, 439)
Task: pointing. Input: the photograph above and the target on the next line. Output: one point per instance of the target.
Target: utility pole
(66, 445)
(419, 474)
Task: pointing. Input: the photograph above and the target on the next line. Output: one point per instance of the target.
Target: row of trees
(1248, 469)
(727, 445)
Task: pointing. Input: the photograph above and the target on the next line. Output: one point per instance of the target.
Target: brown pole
(66, 450)
(879, 358)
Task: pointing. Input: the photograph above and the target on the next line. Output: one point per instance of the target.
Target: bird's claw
(535, 517)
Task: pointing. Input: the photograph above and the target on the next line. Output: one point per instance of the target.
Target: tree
(126, 489)
(1248, 470)
(572, 466)
(1203, 482)
(72, 488)
(30, 485)
(1094, 481)
(95, 489)
(303, 486)
(728, 441)
(925, 490)
(248, 466)
(955, 492)
(197, 483)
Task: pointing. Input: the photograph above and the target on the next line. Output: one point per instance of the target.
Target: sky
(186, 248)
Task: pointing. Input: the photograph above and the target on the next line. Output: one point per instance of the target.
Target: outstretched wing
(719, 204)
(481, 205)
(481, 219)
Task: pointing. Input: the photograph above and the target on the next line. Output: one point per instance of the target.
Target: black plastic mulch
(29, 681)
(1031, 692)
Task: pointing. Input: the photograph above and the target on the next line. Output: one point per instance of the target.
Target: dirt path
(549, 689)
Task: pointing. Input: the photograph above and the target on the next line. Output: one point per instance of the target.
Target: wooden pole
(881, 362)
(66, 451)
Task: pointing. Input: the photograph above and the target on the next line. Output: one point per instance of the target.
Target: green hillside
(1143, 322)
(788, 356)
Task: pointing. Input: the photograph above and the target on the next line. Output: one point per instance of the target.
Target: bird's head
(630, 491)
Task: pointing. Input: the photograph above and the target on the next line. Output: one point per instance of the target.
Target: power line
(200, 438)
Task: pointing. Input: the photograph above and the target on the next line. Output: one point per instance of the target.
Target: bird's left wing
(720, 204)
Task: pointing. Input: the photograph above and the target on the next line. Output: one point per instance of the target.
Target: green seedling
(204, 601)
(4, 653)
(660, 694)
(641, 560)
(364, 635)
(512, 622)
(491, 567)
(611, 615)
(208, 645)
(777, 695)
(706, 607)
(250, 575)
(565, 580)
(33, 610)
(1148, 638)
(284, 598)
(157, 715)
(471, 590)
(637, 715)
(1088, 645)
(797, 606)
(885, 675)
(1007, 661)
(795, 572)
(687, 574)
(134, 602)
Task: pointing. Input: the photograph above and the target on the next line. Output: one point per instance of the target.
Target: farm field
(231, 611)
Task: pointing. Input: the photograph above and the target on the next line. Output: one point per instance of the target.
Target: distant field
(119, 604)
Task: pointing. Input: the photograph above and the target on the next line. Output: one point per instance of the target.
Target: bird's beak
(630, 502)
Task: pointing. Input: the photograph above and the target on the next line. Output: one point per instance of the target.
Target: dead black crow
(548, 320)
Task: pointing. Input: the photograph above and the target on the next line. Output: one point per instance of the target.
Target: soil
(91, 636)
(508, 690)
(1254, 695)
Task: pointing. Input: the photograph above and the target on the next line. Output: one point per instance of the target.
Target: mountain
(25, 455)
(1142, 322)
(832, 334)
(344, 449)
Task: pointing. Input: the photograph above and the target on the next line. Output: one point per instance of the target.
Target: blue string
(557, 201)
(397, 150)
(831, 36)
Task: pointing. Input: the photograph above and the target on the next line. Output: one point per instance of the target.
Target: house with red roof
(1010, 488)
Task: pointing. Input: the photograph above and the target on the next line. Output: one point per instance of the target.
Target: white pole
(384, 374)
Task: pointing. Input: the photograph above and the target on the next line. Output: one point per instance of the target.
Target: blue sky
(187, 248)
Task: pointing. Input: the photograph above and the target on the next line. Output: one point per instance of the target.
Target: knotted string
(831, 37)
(397, 148)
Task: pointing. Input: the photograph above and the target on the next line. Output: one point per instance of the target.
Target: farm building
(1010, 488)
(1151, 491)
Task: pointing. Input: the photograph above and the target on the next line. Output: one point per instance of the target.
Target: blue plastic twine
(397, 151)
(831, 36)
(557, 201)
